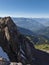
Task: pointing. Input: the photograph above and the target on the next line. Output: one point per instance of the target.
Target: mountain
(36, 27)
(44, 21)
(25, 31)
(44, 32)
(39, 39)
(18, 47)
(28, 23)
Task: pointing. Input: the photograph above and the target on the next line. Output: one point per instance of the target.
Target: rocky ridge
(18, 47)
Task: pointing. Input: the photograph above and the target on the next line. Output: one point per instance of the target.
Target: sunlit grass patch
(42, 46)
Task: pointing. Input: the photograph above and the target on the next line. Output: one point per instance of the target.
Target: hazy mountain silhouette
(28, 23)
(44, 21)
(44, 32)
(25, 31)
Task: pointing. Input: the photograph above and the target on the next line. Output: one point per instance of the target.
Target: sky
(24, 8)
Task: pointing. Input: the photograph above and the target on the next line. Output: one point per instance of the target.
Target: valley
(36, 29)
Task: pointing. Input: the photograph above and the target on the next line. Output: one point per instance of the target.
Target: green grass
(42, 46)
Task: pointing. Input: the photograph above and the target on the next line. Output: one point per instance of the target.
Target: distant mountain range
(25, 31)
(44, 21)
(44, 32)
(32, 23)
(40, 37)
(35, 25)
(35, 28)
(29, 23)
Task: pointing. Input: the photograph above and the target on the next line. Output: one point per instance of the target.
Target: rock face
(13, 43)
(18, 47)
(4, 61)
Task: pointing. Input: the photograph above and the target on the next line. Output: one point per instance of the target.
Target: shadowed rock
(18, 47)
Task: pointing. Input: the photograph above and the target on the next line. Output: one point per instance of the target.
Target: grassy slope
(42, 46)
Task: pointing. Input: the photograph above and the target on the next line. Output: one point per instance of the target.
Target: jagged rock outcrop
(13, 42)
(4, 61)
(18, 47)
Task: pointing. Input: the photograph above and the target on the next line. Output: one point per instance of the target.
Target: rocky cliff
(18, 47)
